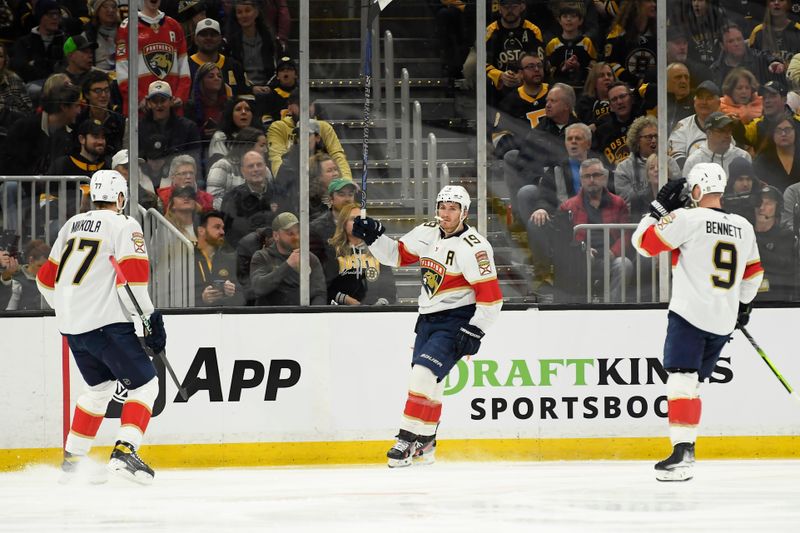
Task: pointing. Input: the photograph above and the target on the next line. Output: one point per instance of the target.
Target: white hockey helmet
(457, 194)
(106, 185)
(710, 177)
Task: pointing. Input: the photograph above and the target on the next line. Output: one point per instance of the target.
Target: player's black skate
(425, 452)
(679, 465)
(402, 453)
(81, 469)
(70, 463)
(126, 463)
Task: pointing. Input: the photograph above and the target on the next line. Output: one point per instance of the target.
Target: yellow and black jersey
(632, 63)
(786, 41)
(559, 50)
(505, 47)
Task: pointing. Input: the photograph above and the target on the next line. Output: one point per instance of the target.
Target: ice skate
(126, 463)
(678, 466)
(402, 453)
(425, 452)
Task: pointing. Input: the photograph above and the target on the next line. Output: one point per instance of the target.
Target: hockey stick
(763, 355)
(148, 329)
(367, 67)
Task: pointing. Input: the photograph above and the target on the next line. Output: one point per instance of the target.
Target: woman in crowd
(361, 279)
(593, 103)
(778, 34)
(631, 43)
(252, 44)
(238, 113)
(740, 95)
(632, 181)
(209, 95)
(181, 211)
(102, 29)
(778, 164)
(226, 173)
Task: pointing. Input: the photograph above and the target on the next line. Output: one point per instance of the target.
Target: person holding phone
(215, 264)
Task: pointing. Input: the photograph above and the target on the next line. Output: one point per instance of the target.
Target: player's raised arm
(385, 249)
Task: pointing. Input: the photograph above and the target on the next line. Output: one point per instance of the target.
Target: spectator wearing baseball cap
(178, 135)
(37, 54)
(89, 157)
(147, 195)
(758, 133)
(208, 40)
(690, 132)
(182, 211)
(79, 58)
(341, 192)
(275, 270)
(718, 146)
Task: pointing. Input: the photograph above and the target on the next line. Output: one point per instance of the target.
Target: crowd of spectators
(218, 109)
(571, 84)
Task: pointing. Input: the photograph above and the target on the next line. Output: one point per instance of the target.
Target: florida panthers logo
(159, 58)
(432, 275)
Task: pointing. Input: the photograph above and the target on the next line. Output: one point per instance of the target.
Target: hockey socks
(683, 406)
(89, 412)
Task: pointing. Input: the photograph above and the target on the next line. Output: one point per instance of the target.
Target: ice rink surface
(751, 496)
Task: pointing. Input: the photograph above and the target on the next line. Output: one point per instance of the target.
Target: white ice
(747, 496)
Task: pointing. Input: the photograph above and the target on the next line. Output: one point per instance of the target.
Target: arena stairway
(447, 111)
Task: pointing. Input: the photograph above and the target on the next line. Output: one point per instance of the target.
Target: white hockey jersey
(715, 263)
(456, 271)
(79, 281)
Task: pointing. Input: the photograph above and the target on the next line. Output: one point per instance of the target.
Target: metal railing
(171, 261)
(626, 230)
(38, 202)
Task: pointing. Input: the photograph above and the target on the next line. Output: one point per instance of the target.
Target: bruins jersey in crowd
(505, 47)
(632, 63)
(558, 51)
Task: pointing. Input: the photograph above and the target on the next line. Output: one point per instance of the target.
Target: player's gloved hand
(468, 340)
(368, 229)
(744, 315)
(668, 199)
(157, 340)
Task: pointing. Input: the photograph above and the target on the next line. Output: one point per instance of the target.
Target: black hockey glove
(668, 199)
(744, 314)
(368, 229)
(468, 340)
(157, 340)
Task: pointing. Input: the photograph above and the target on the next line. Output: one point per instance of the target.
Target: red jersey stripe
(753, 269)
(453, 281)
(676, 255)
(135, 269)
(487, 291)
(406, 257)
(47, 274)
(652, 243)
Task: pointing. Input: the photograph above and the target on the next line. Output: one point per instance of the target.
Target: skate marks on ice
(459, 497)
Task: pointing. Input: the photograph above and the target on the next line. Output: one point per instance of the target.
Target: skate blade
(117, 467)
(681, 473)
(399, 463)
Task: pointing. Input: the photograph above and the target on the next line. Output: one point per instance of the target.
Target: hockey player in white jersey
(716, 274)
(460, 298)
(93, 312)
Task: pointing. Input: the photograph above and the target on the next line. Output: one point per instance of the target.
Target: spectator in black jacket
(97, 91)
(612, 139)
(341, 192)
(89, 158)
(102, 29)
(160, 119)
(215, 261)
(776, 247)
(736, 53)
(252, 44)
(248, 206)
(37, 53)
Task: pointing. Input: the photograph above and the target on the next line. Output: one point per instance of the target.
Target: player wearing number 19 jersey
(93, 311)
(716, 274)
(459, 300)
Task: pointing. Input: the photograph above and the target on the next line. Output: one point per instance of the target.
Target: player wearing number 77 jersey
(93, 311)
(459, 300)
(716, 274)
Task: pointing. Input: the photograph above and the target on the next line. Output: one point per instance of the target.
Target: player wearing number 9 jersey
(459, 300)
(94, 312)
(716, 274)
